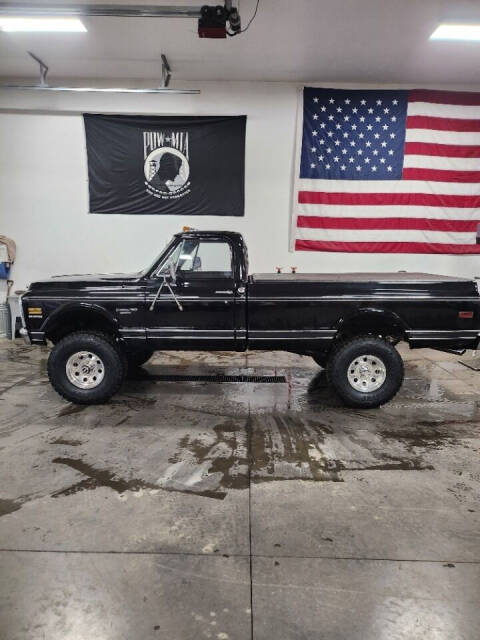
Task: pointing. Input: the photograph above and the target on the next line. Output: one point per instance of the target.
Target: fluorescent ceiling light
(39, 87)
(62, 25)
(456, 32)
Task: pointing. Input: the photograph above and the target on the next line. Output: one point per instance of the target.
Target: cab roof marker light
(469, 32)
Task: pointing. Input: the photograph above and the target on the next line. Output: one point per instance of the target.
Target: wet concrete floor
(239, 510)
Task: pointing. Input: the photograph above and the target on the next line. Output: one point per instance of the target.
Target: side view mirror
(165, 283)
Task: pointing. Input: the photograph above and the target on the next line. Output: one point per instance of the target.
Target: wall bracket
(43, 69)
(166, 71)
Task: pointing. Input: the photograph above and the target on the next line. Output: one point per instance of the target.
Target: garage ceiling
(301, 40)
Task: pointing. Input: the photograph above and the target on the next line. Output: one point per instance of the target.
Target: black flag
(166, 165)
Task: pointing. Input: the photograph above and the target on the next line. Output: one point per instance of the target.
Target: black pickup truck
(197, 295)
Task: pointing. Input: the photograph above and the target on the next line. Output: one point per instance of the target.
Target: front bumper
(24, 333)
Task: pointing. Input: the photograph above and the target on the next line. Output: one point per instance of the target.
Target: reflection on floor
(239, 509)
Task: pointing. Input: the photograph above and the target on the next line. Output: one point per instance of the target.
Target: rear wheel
(138, 357)
(365, 371)
(86, 368)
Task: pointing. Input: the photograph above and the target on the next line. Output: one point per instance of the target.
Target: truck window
(205, 259)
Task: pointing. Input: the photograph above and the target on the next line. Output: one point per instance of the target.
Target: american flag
(388, 171)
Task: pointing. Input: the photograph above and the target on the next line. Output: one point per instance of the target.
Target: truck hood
(88, 279)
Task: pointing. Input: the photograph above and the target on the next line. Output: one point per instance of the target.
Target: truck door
(204, 287)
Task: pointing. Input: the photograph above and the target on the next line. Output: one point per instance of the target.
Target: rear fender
(371, 320)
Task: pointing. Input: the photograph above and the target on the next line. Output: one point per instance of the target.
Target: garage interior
(225, 495)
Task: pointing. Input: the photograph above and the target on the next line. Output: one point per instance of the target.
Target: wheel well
(78, 320)
(384, 324)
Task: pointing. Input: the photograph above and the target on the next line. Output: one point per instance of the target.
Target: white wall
(44, 192)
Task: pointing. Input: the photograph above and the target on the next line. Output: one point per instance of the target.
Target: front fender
(80, 308)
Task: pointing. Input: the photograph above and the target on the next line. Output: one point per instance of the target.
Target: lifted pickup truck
(197, 295)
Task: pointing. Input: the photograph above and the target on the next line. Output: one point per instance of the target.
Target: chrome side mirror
(166, 284)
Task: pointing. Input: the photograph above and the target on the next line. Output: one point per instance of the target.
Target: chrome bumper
(24, 333)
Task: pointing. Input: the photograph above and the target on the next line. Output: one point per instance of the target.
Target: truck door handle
(227, 292)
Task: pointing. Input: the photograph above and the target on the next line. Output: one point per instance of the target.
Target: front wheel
(86, 368)
(365, 371)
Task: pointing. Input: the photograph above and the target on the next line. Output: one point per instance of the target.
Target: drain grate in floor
(217, 378)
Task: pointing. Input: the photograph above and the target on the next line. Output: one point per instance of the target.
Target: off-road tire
(345, 353)
(106, 348)
(138, 357)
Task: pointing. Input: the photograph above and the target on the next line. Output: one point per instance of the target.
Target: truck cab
(206, 274)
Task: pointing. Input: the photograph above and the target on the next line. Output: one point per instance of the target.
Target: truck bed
(359, 285)
(399, 276)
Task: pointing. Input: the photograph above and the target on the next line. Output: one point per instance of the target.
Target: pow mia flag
(166, 165)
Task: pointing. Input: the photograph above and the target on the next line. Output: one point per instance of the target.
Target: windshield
(165, 252)
(171, 257)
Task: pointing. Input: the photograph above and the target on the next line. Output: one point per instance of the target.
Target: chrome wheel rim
(85, 370)
(366, 373)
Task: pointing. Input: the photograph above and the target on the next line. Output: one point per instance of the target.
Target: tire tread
(340, 347)
(79, 399)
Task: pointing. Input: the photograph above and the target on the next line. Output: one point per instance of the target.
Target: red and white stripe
(434, 208)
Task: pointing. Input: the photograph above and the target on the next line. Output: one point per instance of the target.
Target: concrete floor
(186, 510)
